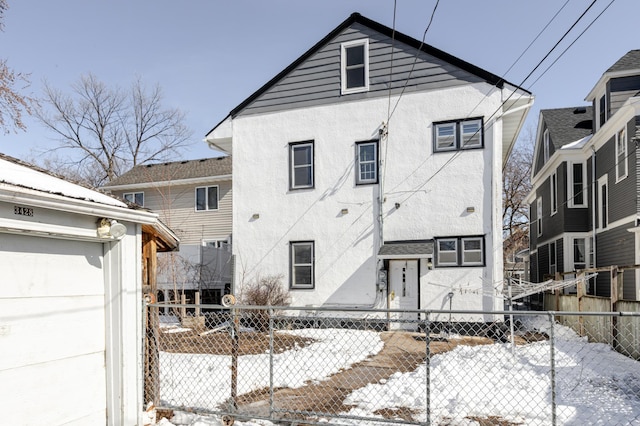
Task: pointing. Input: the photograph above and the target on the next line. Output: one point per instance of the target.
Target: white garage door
(52, 331)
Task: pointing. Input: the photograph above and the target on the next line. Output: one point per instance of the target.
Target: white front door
(403, 293)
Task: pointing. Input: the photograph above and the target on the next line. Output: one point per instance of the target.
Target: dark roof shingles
(630, 61)
(175, 171)
(568, 125)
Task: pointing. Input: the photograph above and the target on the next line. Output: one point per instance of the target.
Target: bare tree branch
(106, 131)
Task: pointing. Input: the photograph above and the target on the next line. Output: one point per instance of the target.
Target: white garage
(70, 302)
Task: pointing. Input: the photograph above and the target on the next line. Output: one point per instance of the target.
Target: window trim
(459, 251)
(463, 251)
(584, 240)
(571, 184)
(546, 145)
(292, 265)
(133, 196)
(625, 161)
(553, 258)
(539, 215)
(458, 135)
(602, 111)
(375, 162)
(206, 201)
(292, 165)
(603, 202)
(343, 66)
(553, 180)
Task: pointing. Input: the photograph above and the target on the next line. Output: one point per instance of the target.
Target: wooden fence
(621, 332)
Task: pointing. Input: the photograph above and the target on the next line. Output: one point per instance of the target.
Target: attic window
(354, 68)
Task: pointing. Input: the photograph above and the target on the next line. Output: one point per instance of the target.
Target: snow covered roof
(20, 174)
(577, 144)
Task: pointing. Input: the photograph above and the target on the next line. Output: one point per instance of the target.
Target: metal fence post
(271, 386)
(234, 359)
(427, 333)
(553, 368)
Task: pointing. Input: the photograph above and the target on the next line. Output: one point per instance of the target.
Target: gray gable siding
(622, 89)
(316, 81)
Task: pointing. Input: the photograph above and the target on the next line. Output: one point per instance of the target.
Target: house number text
(22, 211)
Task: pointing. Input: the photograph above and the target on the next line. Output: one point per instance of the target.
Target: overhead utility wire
(457, 153)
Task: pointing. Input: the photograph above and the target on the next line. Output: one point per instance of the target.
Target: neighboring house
(368, 174)
(193, 197)
(568, 198)
(71, 318)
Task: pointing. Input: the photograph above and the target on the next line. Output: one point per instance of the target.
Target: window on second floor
(301, 165)
(603, 202)
(366, 162)
(355, 66)
(576, 186)
(134, 197)
(621, 155)
(554, 193)
(457, 135)
(206, 198)
(539, 215)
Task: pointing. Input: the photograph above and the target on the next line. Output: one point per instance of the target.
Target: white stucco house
(71, 309)
(368, 174)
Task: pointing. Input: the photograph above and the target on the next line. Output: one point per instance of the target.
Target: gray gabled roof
(174, 171)
(568, 125)
(630, 61)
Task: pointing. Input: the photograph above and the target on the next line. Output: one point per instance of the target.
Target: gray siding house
(585, 202)
(194, 198)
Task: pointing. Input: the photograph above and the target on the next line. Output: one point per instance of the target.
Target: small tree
(264, 291)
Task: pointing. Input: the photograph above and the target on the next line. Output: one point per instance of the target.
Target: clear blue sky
(208, 56)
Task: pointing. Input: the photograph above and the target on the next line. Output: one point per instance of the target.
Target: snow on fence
(365, 367)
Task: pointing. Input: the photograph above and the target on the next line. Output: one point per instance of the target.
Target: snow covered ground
(594, 384)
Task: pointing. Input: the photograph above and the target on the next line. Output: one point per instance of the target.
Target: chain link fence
(355, 367)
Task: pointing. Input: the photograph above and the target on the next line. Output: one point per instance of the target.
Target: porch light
(111, 228)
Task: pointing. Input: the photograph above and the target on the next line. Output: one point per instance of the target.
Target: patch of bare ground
(221, 343)
(402, 352)
(492, 421)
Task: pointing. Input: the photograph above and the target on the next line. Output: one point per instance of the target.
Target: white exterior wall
(433, 196)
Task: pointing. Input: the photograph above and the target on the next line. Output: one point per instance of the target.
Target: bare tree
(516, 185)
(13, 104)
(109, 130)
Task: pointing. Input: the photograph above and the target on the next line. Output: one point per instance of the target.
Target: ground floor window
(460, 251)
(302, 259)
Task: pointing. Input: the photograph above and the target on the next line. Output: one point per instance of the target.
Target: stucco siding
(418, 188)
(317, 80)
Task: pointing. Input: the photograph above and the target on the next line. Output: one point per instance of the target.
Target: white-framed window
(546, 145)
(554, 192)
(134, 197)
(301, 165)
(621, 155)
(302, 260)
(460, 251)
(577, 174)
(458, 134)
(552, 258)
(354, 70)
(603, 202)
(366, 162)
(447, 252)
(579, 253)
(207, 198)
(472, 251)
(539, 215)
